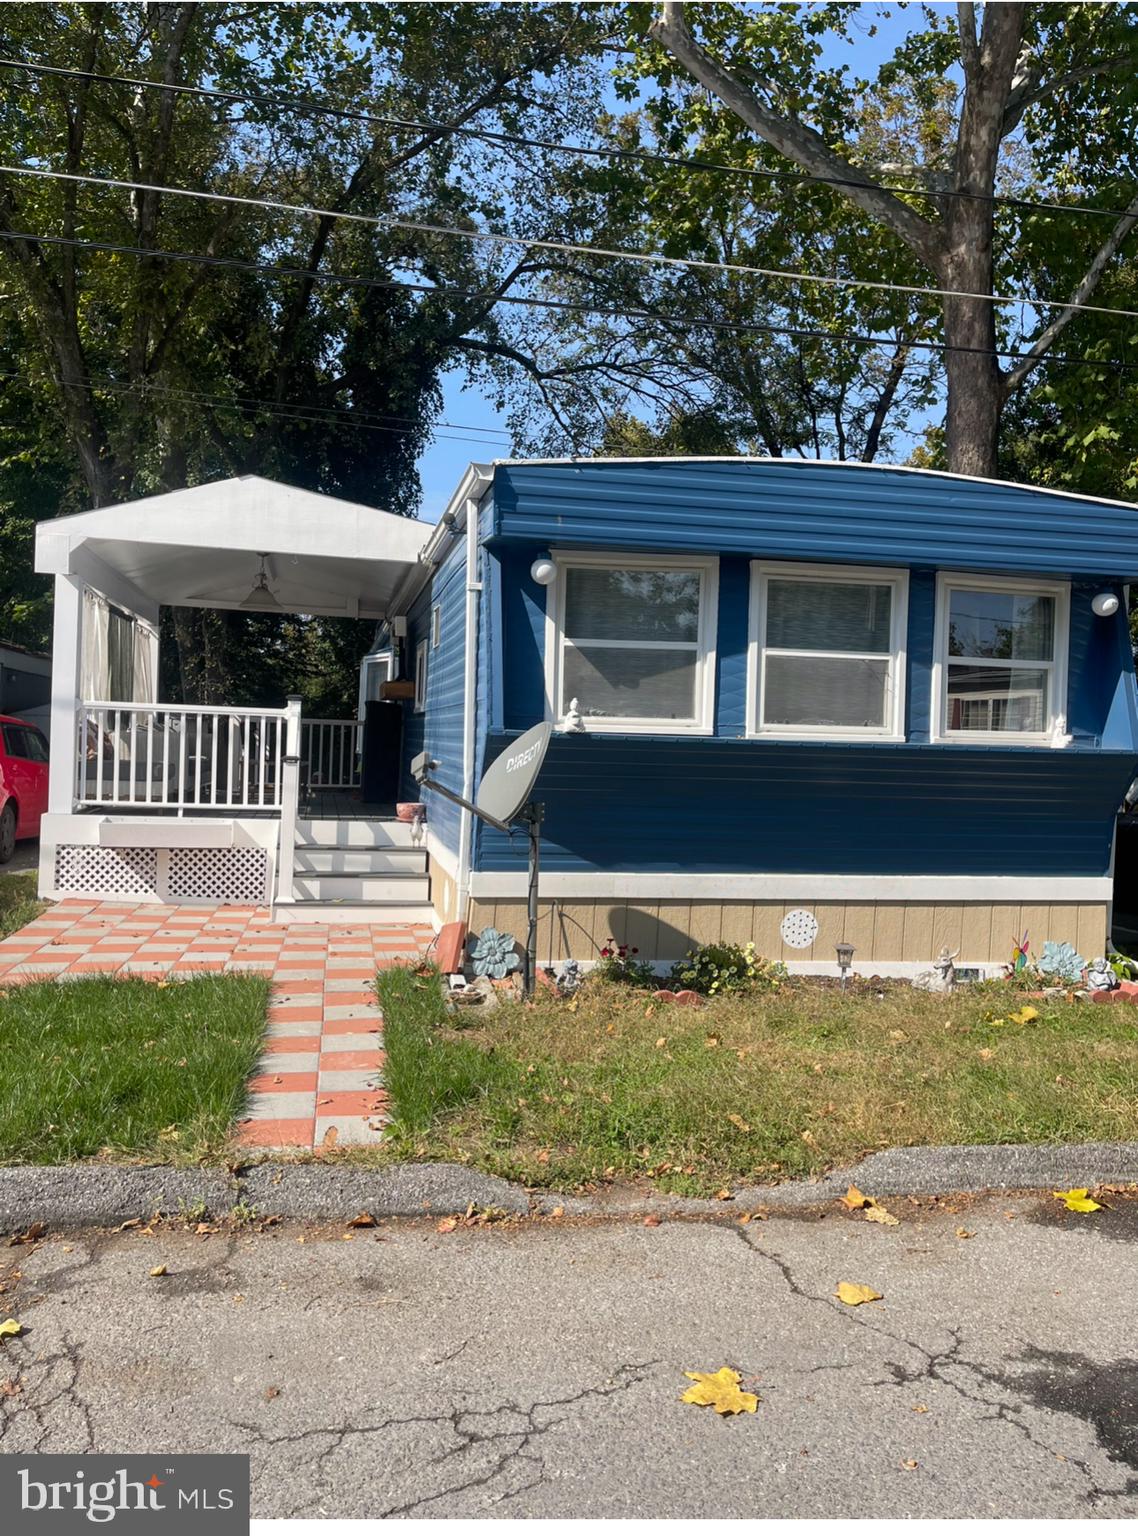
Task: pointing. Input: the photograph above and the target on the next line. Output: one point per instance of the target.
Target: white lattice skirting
(213, 875)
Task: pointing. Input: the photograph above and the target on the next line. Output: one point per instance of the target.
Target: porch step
(350, 913)
(328, 833)
(313, 860)
(373, 888)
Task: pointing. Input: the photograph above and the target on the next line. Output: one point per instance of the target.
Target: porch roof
(202, 548)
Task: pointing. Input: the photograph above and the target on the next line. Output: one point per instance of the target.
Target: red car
(23, 782)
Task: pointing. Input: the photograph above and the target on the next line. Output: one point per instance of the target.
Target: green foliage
(716, 968)
(18, 902)
(619, 966)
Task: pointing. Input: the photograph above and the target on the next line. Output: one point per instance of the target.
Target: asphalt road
(536, 1370)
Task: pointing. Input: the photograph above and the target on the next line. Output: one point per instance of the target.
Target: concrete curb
(103, 1195)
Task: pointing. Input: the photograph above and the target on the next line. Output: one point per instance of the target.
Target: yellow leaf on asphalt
(10, 1328)
(878, 1213)
(159, 1269)
(853, 1199)
(853, 1295)
(920, 1408)
(964, 1232)
(724, 1194)
(447, 1224)
(719, 1390)
(1077, 1199)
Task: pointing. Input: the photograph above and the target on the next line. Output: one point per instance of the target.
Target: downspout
(469, 707)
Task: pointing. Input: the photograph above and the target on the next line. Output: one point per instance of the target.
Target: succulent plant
(494, 954)
(1062, 960)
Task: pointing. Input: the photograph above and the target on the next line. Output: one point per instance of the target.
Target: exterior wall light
(1105, 604)
(544, 572)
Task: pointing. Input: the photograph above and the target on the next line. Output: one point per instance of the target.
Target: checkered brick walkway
(319, 1081)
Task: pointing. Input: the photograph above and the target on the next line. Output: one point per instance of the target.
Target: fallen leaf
(898, 1035)
(854, 1295)
(271, 1392)
(331, 1137)
(878, 1213)
(724, 1194)
(909, 1466)
(711, 1042)
(447, 1224)
(1077, 1199)
(853, 1199)
(719, 1390)
(131, 1221)
(964, 1232)
(808, 1138)
(558, 1210)
(651, 1220)
(985, 1054)
(920, 1408)
(12, 1387)
(1024, 1016)
(661, 1042)
(10, 1329)
(543, 1155)
(159, 1269)
(739, 1122)
(364, 1219)
(32, 1235)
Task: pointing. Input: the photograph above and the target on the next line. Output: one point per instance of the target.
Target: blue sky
(444, 461)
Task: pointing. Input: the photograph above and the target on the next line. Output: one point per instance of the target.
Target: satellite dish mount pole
(532, 815)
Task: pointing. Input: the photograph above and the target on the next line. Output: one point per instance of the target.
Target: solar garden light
(845, 960)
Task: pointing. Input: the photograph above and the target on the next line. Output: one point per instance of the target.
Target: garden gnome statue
(572, 720)
(942, 977)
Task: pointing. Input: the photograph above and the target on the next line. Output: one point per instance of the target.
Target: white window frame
(382, 659)
(703, 722)
(421, 662)
(436, 626)
(949, 581)
(895, 577)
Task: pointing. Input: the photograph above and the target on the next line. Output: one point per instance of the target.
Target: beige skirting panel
(881, 931)
(444, 891)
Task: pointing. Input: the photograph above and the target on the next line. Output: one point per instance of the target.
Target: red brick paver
(319, 1081)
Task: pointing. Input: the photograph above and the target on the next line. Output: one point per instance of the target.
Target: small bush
(715, 968)
(618, 964)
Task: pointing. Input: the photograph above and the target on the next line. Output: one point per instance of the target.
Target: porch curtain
(94, 662)
(142, 680)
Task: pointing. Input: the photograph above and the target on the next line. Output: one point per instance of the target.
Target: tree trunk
(974, 387)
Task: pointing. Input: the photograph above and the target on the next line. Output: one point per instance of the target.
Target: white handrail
(206, 757)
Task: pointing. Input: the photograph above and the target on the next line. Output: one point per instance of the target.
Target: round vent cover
(799, 928)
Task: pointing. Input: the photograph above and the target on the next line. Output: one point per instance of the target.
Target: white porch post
(290, 802)
(66, 646)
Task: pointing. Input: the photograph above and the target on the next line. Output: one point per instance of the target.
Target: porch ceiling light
(1105, 604)
(261, 596)
(543, 571)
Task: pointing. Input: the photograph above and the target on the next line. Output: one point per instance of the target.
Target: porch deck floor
(319, 1082)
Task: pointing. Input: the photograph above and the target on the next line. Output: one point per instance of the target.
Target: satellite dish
(508, 782)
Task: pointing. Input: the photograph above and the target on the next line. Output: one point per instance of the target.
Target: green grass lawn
(748, 1088)
(125, 1068)
(18, 902)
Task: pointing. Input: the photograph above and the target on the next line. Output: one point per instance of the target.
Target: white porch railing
(179, 756)
(330, 753)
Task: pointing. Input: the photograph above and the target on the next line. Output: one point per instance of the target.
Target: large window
(827, 651)
(1001, 658)
(632, 640)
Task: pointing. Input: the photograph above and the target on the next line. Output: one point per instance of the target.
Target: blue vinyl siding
(439, 729)
(790, 510)
(669, 805)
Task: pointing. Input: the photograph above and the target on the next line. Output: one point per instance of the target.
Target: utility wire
(565, 247)
(307, 105)
(738, 327)
(93, 383)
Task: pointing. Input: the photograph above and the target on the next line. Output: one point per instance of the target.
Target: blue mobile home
(897, 701)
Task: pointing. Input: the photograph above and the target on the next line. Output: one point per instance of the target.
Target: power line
(108, 383)
(569, 248)
(738, 327)
(302, 105)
